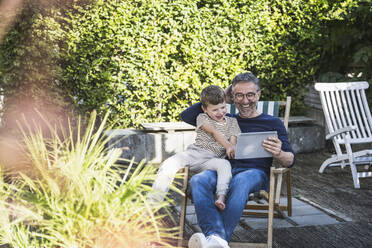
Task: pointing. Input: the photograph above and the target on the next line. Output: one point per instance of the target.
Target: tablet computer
(249, 145)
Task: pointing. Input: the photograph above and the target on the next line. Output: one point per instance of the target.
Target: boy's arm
(189, 115)
(220, 138)
(235, 131)
(233, 140)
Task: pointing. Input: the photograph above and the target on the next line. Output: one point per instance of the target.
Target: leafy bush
(76, 195)
(148, 60)
(347, 45)
(29, 66)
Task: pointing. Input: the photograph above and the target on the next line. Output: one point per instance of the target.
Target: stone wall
(314, 106)
(155, 147)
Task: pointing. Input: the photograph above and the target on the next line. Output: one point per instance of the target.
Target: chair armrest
(340, 131)
(280, 170)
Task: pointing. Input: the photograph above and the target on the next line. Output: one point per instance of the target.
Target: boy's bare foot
(220, 202)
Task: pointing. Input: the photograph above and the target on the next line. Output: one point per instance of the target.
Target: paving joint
(329, 212)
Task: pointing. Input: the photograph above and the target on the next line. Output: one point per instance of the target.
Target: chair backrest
(270, 108)
(345, 105)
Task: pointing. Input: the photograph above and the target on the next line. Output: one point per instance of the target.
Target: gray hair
(246, 77)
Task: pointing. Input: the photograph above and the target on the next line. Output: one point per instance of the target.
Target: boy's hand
(230, 151)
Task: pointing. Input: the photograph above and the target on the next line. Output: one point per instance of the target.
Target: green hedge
(347, 45)
(148, 60)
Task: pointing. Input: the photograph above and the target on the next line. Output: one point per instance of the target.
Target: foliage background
(148, 60)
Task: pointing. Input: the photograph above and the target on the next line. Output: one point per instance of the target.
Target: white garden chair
(349, 122)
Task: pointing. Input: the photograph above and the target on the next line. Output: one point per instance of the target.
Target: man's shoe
(215, 241)
(197, 240)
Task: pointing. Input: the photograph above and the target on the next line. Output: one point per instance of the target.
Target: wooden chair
(349, 122)
(272, 197)
(271, 108)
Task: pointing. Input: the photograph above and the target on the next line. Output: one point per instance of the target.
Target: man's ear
(258, 95)
(203, 108)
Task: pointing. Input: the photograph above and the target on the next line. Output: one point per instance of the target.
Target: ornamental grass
(79, 194)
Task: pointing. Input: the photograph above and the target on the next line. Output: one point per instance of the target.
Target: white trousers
(198, 160)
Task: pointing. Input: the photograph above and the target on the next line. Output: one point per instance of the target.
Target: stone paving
(304, 213)
(327, 211)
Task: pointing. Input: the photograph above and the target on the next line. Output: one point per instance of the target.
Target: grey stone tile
(261, 223)
(196, 228)
(295, 202)
(302, 210)
(303, 214)
(190, 209)
(311, 220)
(191, 218)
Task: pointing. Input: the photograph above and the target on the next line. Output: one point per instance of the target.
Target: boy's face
(216, 112)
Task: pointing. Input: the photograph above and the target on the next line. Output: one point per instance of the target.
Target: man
(249, 175)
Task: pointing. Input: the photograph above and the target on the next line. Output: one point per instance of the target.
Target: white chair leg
(326, 163)
(333, 160)
(354, 173)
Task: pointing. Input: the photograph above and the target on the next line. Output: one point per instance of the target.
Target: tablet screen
(249, 145)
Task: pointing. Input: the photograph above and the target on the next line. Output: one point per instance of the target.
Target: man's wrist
(278, 155)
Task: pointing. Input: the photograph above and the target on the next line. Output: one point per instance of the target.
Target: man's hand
(273, 145)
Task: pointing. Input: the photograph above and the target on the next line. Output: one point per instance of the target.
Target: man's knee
(250, 179)
(196, 180)
(205, 178)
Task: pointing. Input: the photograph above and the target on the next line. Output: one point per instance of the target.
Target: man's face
(245, 97)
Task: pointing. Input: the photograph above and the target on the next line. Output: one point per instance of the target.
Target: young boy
(216, 136)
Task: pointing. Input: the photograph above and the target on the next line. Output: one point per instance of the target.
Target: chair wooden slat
(260, 106)
(357, 113)
(329, 110)
(347, 112)
(341, 109)
(363, 113)
(337, 119)
(351, 107)
(368, 113)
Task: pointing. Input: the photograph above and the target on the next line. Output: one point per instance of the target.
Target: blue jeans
(222, 223)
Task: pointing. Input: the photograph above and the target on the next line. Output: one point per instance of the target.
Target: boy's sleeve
(189, 115)
(200, 120)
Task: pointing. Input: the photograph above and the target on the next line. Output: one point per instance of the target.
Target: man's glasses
(240, 96)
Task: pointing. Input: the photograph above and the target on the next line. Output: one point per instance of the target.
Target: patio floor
(327, 210)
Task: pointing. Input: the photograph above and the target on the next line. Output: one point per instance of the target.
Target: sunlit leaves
(79, 196)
